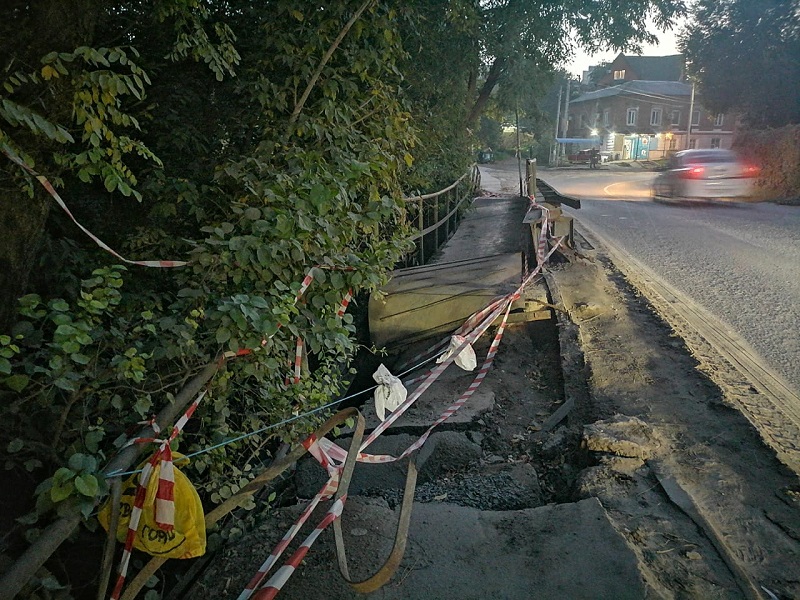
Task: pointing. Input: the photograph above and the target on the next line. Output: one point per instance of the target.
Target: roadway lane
(740, 262)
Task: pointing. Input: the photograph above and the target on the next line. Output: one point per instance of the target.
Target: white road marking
(605, 189)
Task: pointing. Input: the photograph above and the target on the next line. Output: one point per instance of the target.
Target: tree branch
(313, 81)
(492, 78)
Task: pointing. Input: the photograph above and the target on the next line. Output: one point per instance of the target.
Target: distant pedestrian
(594, 158)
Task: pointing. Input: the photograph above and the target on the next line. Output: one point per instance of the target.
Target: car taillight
(750, 171)
(693, 173)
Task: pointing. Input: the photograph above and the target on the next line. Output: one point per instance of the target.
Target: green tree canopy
(542, 35)
(745, 57)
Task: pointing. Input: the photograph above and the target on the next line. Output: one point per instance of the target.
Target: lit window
(715, 142)
(676, 117)
(631, 119)
(655, 116)
(619, 75)
(718, 121)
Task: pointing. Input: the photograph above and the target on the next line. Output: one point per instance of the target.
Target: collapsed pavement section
(514, 503)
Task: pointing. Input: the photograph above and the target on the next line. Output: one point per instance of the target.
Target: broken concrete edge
(576, 392)
(683, 500)
(558, 550)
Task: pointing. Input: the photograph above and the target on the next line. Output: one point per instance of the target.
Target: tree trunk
(22, 221)
(492, 78)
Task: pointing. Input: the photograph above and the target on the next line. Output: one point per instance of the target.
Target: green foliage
(777, 152)
(537, 36)
(98, 93)
(760, 37)
(78, 483)
(268, 200)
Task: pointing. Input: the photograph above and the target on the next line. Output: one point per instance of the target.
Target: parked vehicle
(582, 156)
(705, 175)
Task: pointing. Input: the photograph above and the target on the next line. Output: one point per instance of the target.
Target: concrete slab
(455, 553)
(493, 226)
(421, 302)
(480, 262)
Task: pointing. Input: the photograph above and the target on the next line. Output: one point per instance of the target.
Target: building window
(718, 120)
(715, 142)
(631, 118)
(672, 144)
(692, 144)
(655, 116)
(619, 75)
(696, 118)
(606, 117)
(676, 117)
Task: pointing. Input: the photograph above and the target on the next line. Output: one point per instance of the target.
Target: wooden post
(530, 172)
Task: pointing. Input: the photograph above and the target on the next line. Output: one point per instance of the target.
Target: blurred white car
(705, 175)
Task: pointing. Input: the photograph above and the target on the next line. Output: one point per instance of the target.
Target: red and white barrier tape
(328, 453)
(282, 575)
(345, 303)
(165, 499)
(163, 264)
(312, 444)
(467, 326)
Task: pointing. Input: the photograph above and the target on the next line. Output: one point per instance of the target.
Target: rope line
(244, 436)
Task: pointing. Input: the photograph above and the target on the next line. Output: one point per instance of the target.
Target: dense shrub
(777, 152)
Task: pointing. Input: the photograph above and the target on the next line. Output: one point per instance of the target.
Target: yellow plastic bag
(187, 539)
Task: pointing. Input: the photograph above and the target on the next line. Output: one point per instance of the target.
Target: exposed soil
(701, 505)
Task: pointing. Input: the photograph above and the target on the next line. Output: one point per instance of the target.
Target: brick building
(640, 109)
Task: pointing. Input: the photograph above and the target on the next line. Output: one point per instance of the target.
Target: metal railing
(438, 215)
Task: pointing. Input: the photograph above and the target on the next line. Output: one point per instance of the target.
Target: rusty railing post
(421, 229)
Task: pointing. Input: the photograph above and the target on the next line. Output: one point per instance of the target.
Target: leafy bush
(777, 152)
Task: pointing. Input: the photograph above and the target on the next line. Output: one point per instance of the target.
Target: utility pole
(691, 116)
(555, 151)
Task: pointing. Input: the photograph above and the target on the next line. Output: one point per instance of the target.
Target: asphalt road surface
(740, 262)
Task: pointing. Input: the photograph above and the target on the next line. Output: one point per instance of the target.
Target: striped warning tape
(345, 303)
(437, 370)
(280, 548)
(340, 474)
(468, 324)
(165, 499)
(312, 444)
(51, 190)
(298, 359)
(328, 453)
(282, 575)
(541, 246)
